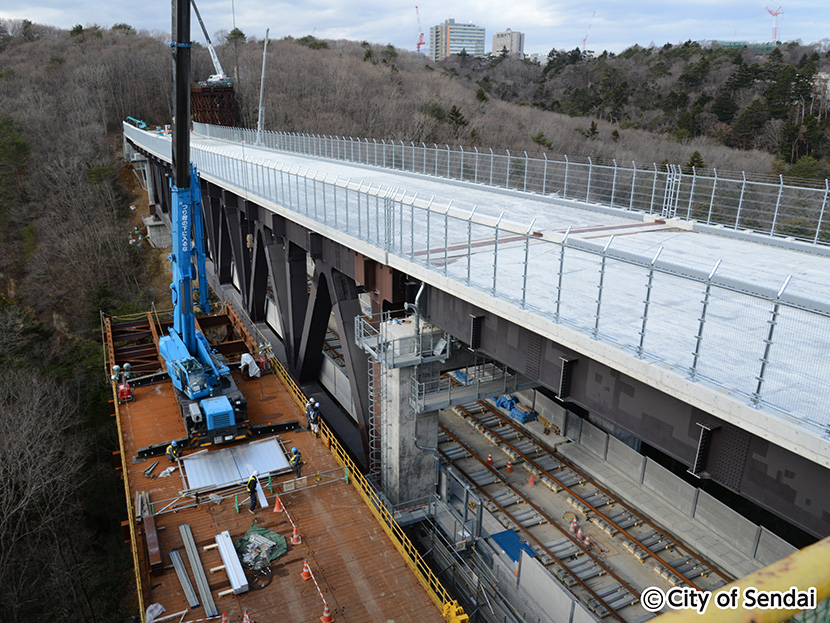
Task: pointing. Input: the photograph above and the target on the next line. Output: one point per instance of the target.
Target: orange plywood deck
(359, 572)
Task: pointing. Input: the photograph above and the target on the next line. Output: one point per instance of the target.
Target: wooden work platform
(359, 571)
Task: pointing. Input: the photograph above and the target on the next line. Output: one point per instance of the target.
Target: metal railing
(761, 203)
(763, 345)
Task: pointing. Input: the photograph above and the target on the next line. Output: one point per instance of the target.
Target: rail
(733, 199)
(428, 580)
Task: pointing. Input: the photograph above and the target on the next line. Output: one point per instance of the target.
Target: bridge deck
(359, 572)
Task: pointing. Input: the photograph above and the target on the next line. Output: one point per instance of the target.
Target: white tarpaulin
(229, 466)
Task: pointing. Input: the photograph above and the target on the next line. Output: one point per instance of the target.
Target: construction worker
(308, 407)
(296, 461)
(251, 486)
(314, 418)
(173, 451)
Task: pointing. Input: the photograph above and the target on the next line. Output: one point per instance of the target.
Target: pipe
(417, 307)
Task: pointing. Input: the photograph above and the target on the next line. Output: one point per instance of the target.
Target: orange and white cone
(278, 507)
(327, 618)
(295, 538)
(530, 482)
(246, 618)
(509, 468)
(224, 617)
(306, 574)
(579, 533)
(574, 527)
(489, 458)
(587, 541)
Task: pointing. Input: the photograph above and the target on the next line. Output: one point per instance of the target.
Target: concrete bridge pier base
(408, 440)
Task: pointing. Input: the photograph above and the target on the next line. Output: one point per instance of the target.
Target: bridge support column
(408, 471)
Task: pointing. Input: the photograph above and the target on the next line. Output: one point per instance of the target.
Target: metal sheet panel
(233, 465)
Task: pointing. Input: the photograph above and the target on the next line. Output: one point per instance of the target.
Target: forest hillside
(67, 203)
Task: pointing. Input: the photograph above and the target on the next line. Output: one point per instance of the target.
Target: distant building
(448, 38)
(513, 42)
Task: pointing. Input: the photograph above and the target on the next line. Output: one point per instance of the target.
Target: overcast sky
(557, 24)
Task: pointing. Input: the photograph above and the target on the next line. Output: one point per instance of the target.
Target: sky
(610, 25)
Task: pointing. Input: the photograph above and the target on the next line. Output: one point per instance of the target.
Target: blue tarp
(511, 544)
(522, 416)
(506, 401)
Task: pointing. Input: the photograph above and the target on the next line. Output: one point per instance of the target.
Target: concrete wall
(334, 379)
(675, 491)
(753, 540)
(550, 600)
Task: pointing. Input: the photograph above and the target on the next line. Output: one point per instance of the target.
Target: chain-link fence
(764, 347)
(760, 203)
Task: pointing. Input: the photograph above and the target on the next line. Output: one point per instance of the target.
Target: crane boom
(420, 31)
(220, 75)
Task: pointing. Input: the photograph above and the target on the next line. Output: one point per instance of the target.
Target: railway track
(592, 530)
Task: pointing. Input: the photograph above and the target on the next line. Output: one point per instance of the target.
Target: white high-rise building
(448, 38)
(513, 42)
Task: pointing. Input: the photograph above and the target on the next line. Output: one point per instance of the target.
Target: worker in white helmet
(251, 486)
(314, 418)
(308, 407)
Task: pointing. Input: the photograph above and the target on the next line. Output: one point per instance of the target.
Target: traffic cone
(490, 458)
(295, 538)
(306, 574)
(509, 468)
(327, 618)
(530, 482)
(574, 527)
(246, 618)
(224, 617)
(587, 542)
(278, 507)
(579, 533)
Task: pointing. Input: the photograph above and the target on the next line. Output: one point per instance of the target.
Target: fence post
(712, 198)
(435, 151)
(491, 165)
(403, 157)
(525, 182)
(588, 188)
(461, 147)
(691, 193)
(446, 236)
(470, 242)
(562, 246)
(496, 253)
(614, 183)
(565, 189)
(412, 145)
(600, 286)
(424, 147)
(507, 177)
(527, 260)
(773, 321)
(777, 204)
(699, 337)
(821, 212)
(545, 175)
(740, 201)
(449, 158)
(475, 178)
(653, 189)
(649, 284)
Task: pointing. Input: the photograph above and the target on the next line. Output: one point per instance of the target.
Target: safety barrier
(430, 582)
(130, 513)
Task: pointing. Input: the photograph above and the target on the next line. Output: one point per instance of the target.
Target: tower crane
(420, 31)
(219, 78)
(585, 38)
(775, 15)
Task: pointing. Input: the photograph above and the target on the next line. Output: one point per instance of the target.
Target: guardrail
(762, 203)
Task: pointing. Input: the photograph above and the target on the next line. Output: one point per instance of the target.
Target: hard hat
(174, 444)
(294, 450)
(256, 473)
(316, 403)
